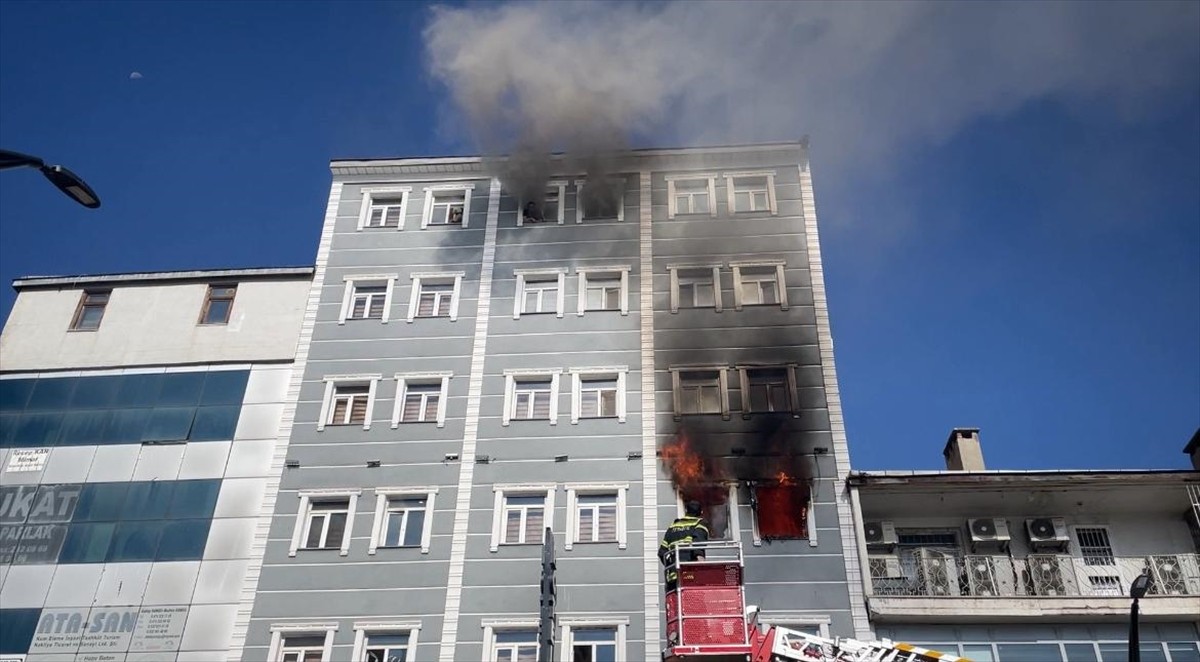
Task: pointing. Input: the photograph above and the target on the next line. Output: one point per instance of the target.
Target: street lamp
(1136, 591)
(65, 180)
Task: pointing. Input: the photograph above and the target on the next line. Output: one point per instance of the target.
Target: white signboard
(159, 629)
(27, 459)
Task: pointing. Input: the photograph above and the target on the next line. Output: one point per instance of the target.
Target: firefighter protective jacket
(683, 531)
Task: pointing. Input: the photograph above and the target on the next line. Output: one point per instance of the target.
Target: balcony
(936, 585)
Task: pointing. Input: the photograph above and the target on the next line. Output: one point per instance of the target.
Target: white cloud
(135, 75)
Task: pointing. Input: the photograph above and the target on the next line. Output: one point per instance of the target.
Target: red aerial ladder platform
(708, 621)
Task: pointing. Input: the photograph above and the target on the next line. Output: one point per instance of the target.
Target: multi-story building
(138, 421)
(1014, 566)
(485, 355)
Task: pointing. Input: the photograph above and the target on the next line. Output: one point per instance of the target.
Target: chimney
(1193, 449)
(963, 452)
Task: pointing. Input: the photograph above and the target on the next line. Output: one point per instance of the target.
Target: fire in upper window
(782, 510)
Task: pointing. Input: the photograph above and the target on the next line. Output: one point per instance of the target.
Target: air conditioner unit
(989, 530)
(936, 573)
(880, 533)
(1047, 532)
(1168, 575)
(981, 576)
(1045, 575)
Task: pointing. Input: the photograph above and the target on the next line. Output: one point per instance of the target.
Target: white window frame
(425, 277)
(493, 625)
(389, 281)
(364, 629)
(621, 270)
(796, 619)
(673, 204)
(730, 191)
(569, 623)
(427, 213)
(810, 523)
(579, 375)
(575, 490)
(280, 632)
(383, 495)
(403, 379)
(793, 390)
(331, 384)
(511, 377)
(560, 187)
(524, 275)
(371, 193)
(674, 269)
(780, 281)
(579, 184)
(307, 497)
(677, 388)
(735, 524)
(517, 490)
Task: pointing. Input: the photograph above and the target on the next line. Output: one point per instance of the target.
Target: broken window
(782, 511)
(714, 508)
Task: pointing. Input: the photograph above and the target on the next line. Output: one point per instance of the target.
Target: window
(593, 645)
(218, 304)
(384, 207)
(385, 641)
(90, 310)
(751, 191)
(759, 284)
(302, 648)
(719, 508)
(403, 518)
(421, 398)
(700, 391)
(387, 648)
(814, 624)
(693, 194)
(602, 288)
(447, 205)
(596, 514)
(435, 295)
(550, 209)
(531, 395)
(514, 646)
(349, 400)
(768, 390)
(367, 297)
(539, 291)
(1094, 546)
(781, 511)
(598, 393)
(602, 199)
(695, 287)
(324, 520)
(521, 514)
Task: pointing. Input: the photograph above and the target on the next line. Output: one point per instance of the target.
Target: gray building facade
(475, 366)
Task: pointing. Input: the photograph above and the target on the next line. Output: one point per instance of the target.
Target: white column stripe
(650, 579)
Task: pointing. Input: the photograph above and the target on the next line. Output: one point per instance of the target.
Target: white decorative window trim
(793, 387)
(348, 296)
(569, 624)
(618, 372)
(729, 191)
(810, 521)
(280, 631)
(306, 499)
(793, 618)
(621, 269)
(735, 524)
(722, 385)
(370, 193)
(674, 269)
(331, 383)
(427, 212)
(403, 379)
(363, 631)
(511, 376)
(414, 299)
(672, 203)
(519, 489)
(780, 280)
(561, 185)
(383, 494)
(579, 184)
(574, 490)
(544, 274)
(491, 625)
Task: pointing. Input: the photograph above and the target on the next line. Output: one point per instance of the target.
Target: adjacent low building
(1036, 566)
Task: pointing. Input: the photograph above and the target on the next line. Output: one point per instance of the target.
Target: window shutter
(607, 531)
(412, 407)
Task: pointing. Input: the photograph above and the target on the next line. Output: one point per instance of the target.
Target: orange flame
(784, 479)
(684, 464)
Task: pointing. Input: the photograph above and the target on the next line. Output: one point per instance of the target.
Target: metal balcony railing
(939, 573)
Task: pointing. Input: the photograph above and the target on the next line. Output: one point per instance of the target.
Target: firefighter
(683, 531)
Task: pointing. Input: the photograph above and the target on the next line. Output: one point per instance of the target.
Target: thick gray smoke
(864, 79)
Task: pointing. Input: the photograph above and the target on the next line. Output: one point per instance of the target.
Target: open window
(447, 205)
(601, 199)
(719, 508)
(550, 208)
(781, 511)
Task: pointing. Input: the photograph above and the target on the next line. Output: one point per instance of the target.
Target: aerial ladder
(708, 620)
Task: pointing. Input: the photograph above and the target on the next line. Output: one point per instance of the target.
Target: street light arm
(10, 159)
(69, 183)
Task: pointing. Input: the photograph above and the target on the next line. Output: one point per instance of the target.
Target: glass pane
(595, 634)
(1183, 651)
(586, 524)
(89, 317)
(316, 526)
(126, 426)
(741, 201)
(704, 295)
(194, 498)
(183, 540)
(1114, 652)
(14, 393)
(305, 640)
(700, 204)
(8, 428)
(416, 522)
(138, 390)
(1152, 652)
(169, 424)
(101, 502)
(51, 394)
(337, 530)
(181, 389)
(37, 429)
(218, 311)
(84, 427)
(135, 541)
(1075, 653)
(512, 526)
(224, 387)
(215, 423)
(395, 522)
(96, 392)
(1028, 652)
(147, 500)
(87, 543)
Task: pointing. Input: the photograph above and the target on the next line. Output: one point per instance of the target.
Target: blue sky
(1031, 268)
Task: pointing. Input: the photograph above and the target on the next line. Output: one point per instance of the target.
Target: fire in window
(714, 508)
(782, 510)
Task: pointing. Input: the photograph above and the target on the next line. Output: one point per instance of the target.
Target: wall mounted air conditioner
(1047, 532)
(880, 534)
(988, 531)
